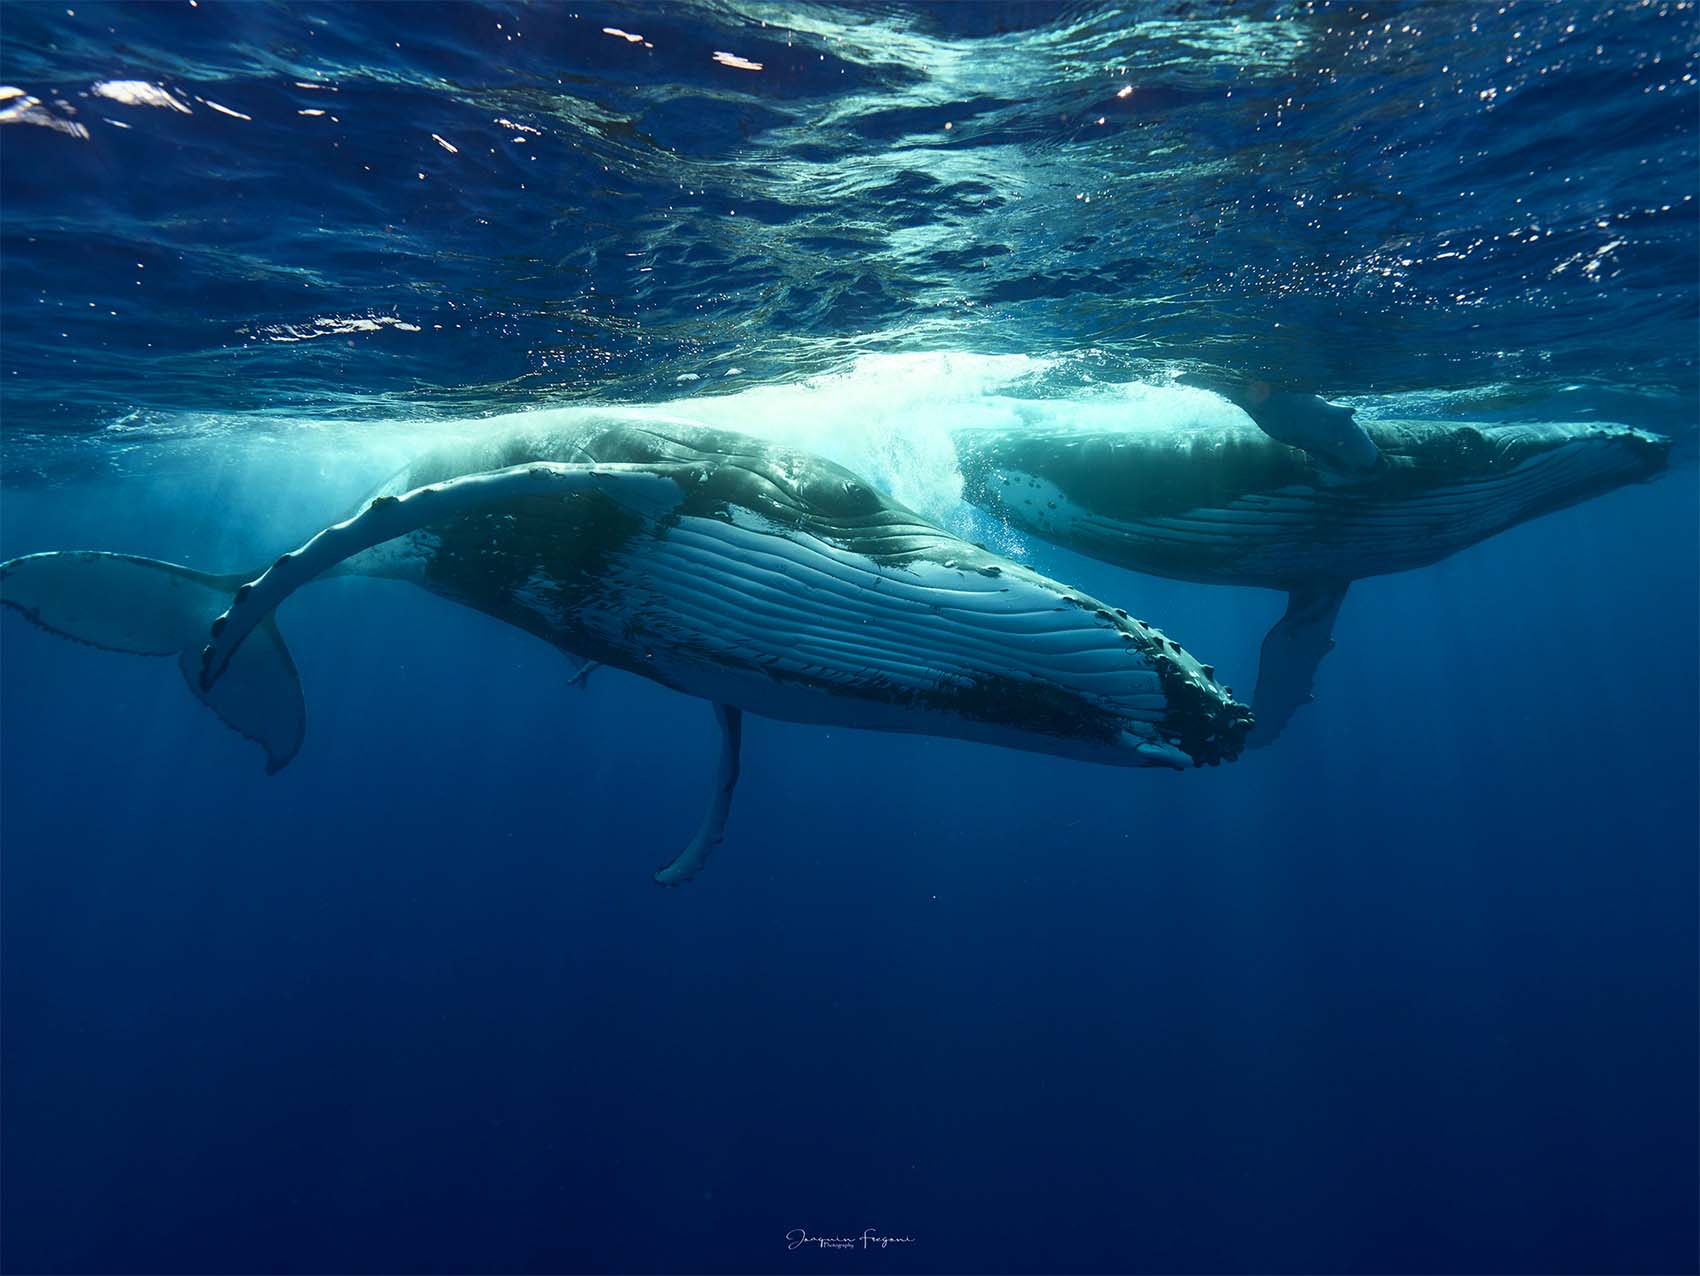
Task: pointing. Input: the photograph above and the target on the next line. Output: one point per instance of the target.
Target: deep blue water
(1413, 991)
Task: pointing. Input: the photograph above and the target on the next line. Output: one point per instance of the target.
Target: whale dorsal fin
(688, 862)
(1292, 650)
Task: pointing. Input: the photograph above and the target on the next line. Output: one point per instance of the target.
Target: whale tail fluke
(121, 602)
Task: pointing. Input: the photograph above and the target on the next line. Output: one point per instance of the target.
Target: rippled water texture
(386, 210)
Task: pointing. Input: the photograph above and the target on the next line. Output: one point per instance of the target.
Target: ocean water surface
(1413, 990)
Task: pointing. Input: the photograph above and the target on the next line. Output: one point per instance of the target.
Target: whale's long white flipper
(712, 831)
(1308, 422)
(637, 486)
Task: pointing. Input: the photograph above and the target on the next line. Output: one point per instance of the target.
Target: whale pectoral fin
(1325, 431)
(1292, 650)
(582, 669)
(709, 833)
(122, 602)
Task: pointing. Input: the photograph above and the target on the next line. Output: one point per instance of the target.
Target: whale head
(1517, 471)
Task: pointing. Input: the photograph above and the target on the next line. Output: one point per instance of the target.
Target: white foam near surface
(888, 418)
(139, 93)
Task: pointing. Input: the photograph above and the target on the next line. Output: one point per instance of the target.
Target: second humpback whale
(754, 576)
(1234, 504)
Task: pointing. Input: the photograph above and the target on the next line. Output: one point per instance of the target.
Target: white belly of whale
(792, 627)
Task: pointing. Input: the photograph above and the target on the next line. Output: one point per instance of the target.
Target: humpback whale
(762, 579)
(1239, 505)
